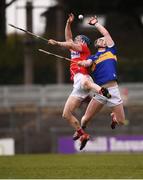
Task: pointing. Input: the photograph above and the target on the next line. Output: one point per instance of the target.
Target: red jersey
(79, 56)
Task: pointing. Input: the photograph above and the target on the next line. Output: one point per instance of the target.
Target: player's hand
(81, 63)
(52, 42)
(93, 21)
(71, 18)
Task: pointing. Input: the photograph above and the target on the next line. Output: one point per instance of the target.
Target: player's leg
(117, 115)
(71, 105)
(116, 104)
(68, 113)
(88, 83)
(94, 106)
(92, 109)
(79, 93)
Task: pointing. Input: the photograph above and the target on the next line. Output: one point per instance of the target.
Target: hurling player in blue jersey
(103, 66)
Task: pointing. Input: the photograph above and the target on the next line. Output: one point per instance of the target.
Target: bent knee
(66, 115)
(86, 83)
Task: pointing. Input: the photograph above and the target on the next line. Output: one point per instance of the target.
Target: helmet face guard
(83, 38)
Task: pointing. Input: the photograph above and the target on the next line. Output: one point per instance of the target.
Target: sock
(80, 131)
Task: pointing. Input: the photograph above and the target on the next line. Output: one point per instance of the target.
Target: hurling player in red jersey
(82, 81)
(104, 68)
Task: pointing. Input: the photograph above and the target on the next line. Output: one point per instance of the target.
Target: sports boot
(104, 91)
(83, 139)
(76, 136)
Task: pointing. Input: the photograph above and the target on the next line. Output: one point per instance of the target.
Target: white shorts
(78, 89)
(113, 101)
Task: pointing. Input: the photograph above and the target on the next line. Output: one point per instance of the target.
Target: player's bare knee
(66, 115)
(86, 83)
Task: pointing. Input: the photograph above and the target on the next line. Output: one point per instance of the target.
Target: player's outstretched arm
(69, 43)
(94, 22)
(68, 32)
(66, 44)
(69, 37)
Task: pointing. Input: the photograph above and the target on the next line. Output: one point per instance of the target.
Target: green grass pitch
(75, 166)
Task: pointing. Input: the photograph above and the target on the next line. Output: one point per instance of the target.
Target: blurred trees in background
(3, 6)
(123, 20)
(12, 62)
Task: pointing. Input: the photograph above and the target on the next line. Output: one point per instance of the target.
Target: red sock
(80, 131)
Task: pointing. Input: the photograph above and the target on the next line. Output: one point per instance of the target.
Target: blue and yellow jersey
(104, 67)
